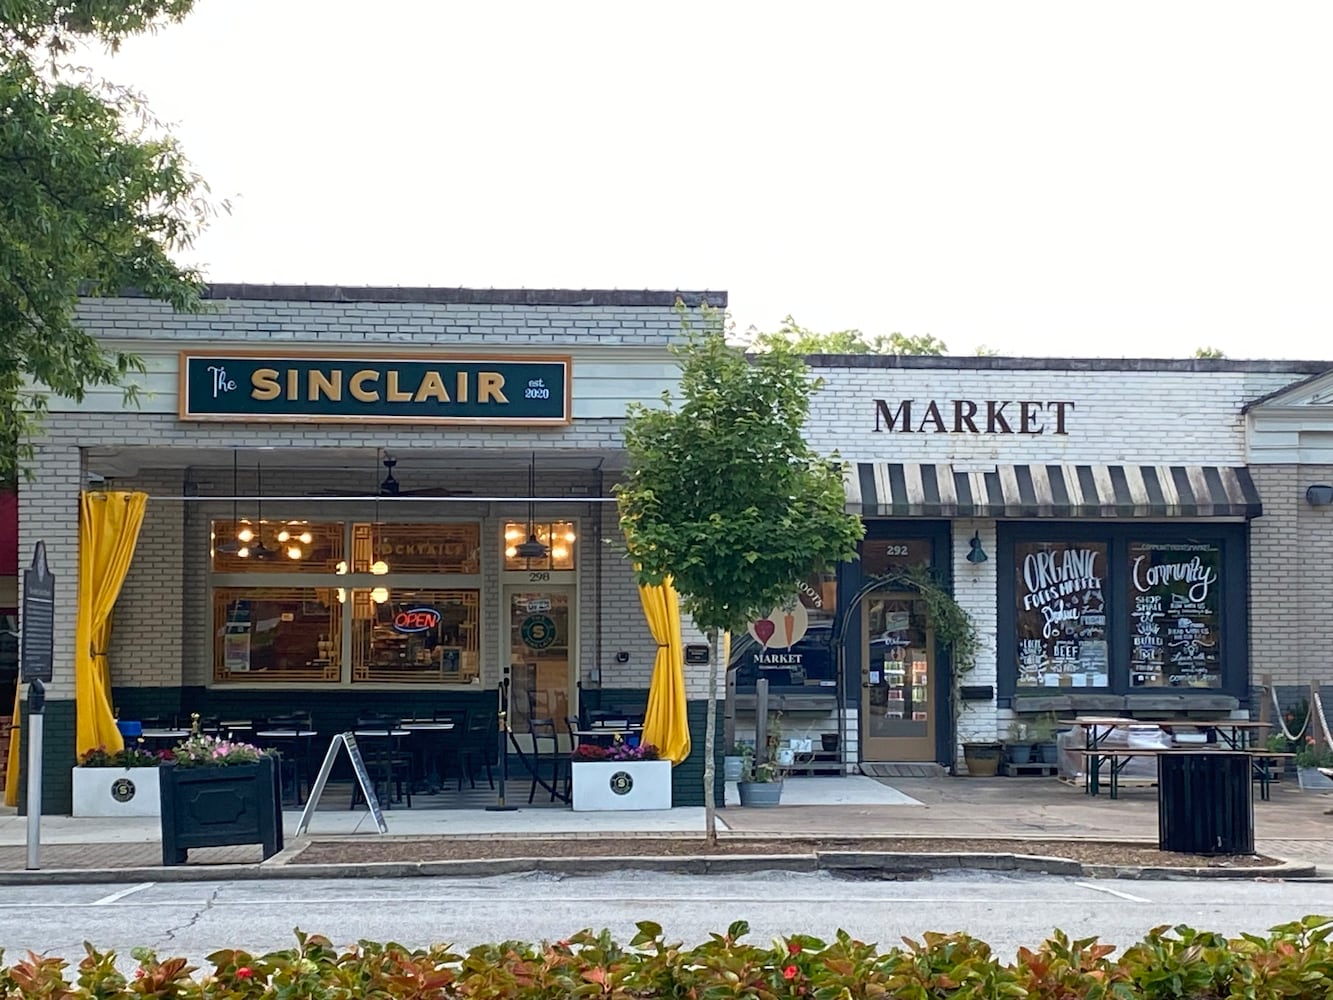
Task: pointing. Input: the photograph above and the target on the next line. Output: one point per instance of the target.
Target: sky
(1117, 180)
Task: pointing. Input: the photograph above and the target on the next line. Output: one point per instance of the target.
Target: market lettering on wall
(384, 388)
(970, 416)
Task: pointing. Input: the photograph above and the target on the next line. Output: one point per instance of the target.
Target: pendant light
(378, 566)
(259, 550)
(532, 548)
(232, 546)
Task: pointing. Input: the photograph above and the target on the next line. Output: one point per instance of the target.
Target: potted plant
(619, 777)
(117, 783)
(734, 762)
(761, 784)
(982, 757)
(217, 792)
(1311, 763)
(1041, 731)
(1018, 748)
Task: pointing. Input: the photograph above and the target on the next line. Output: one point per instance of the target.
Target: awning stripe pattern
(904, 489)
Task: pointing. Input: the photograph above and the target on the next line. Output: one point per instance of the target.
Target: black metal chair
(546, 751)
(389, 766)
(293, 750)
(478, 747)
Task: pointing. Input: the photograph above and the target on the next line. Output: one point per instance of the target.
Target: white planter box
(116, 791)
(622, 784)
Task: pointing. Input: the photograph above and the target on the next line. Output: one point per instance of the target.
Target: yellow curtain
(109, 526)
(665, 725)
(12, 767)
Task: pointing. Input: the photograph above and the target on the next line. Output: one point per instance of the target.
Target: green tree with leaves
(723, 495)
(1208, 352)
(803, 340)
(95, 195)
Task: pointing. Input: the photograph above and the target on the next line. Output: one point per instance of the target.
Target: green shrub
(1293, 962)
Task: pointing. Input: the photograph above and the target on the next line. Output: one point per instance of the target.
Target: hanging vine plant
(953, 626)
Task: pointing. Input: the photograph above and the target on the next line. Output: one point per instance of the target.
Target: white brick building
(1134, 516)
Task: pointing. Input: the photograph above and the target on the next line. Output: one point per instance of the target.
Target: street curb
(879, 863)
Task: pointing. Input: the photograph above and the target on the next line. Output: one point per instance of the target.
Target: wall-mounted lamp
(977, 553)
(1319, 496)
(622, 656)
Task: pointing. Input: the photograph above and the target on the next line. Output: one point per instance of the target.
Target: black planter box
(219, 807)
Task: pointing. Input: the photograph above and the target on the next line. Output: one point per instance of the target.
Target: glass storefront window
(1061, 614)
(276, 546)
(275, 634)
(415, 636)
(416, 548)
(1175, 614)
(539, 651)
(558, 536)
(793, 645)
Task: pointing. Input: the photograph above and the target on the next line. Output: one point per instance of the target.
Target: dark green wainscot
(220, 807)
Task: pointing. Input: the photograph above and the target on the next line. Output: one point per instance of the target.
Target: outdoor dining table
(163, 739)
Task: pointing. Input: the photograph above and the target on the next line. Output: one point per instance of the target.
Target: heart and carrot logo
(784, 626)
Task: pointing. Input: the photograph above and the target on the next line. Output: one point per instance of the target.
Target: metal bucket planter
(219, 807)
(760, 794)
(732, 768)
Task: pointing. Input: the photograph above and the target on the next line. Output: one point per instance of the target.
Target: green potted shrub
(1018, 748)
(1042, 731)
(760, 784)
(733, 762)
(218, 792)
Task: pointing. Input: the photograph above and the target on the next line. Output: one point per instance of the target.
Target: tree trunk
(710, 736)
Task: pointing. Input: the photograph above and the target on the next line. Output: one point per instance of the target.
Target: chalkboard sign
(37, 619)
(1061, 614)
(1174, 619)
(347, 740)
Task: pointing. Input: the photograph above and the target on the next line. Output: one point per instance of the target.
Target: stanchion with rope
(503, 729)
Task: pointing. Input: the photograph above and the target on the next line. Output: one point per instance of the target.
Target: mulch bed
(458, 849)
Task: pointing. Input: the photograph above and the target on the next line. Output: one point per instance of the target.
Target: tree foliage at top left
(95, 197)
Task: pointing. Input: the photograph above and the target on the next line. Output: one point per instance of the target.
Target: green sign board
(382, 387)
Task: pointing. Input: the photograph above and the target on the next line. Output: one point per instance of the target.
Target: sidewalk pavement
(1294, 825)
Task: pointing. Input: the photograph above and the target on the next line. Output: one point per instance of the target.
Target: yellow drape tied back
(12, 767)
(665, 724)
(109, 526)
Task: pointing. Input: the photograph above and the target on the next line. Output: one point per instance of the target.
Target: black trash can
(1205, 802)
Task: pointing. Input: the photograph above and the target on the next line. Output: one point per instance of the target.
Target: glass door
(541, 626)
(898, 679)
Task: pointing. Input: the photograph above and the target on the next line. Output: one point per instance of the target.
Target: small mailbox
(696, 652)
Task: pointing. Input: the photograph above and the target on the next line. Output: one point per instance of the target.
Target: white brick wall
(1148, 417)
(975, 591)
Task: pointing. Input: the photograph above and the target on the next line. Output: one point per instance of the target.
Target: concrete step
(903, 769)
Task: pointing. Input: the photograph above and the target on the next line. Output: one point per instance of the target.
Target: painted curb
(730, 864)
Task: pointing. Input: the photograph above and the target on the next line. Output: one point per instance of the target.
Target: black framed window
(1122, 608)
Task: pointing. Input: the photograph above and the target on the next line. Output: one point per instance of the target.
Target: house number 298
(540, 576)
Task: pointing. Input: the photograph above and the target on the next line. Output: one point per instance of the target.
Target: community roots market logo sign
(258, 387)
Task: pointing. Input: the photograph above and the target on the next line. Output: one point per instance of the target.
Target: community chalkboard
(1174, 602)
(37, 619)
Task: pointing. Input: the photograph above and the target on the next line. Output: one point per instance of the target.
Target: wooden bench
(1119, 757)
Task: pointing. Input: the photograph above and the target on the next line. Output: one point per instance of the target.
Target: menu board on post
(1174, 619)
(1061, 614)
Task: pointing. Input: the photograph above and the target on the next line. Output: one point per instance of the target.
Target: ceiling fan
(389, 486)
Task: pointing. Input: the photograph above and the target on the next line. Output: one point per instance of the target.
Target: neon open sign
(416, 620)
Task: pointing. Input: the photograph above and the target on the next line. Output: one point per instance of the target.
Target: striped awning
(889, 489)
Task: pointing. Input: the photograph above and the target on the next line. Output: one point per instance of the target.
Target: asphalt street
(195, 918)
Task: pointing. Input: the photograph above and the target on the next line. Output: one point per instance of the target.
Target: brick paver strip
(142, 855)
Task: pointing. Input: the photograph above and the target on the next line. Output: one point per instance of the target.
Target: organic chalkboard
(1061, 614)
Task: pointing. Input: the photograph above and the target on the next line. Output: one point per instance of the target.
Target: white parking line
(1114, 892)
(117, 896)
